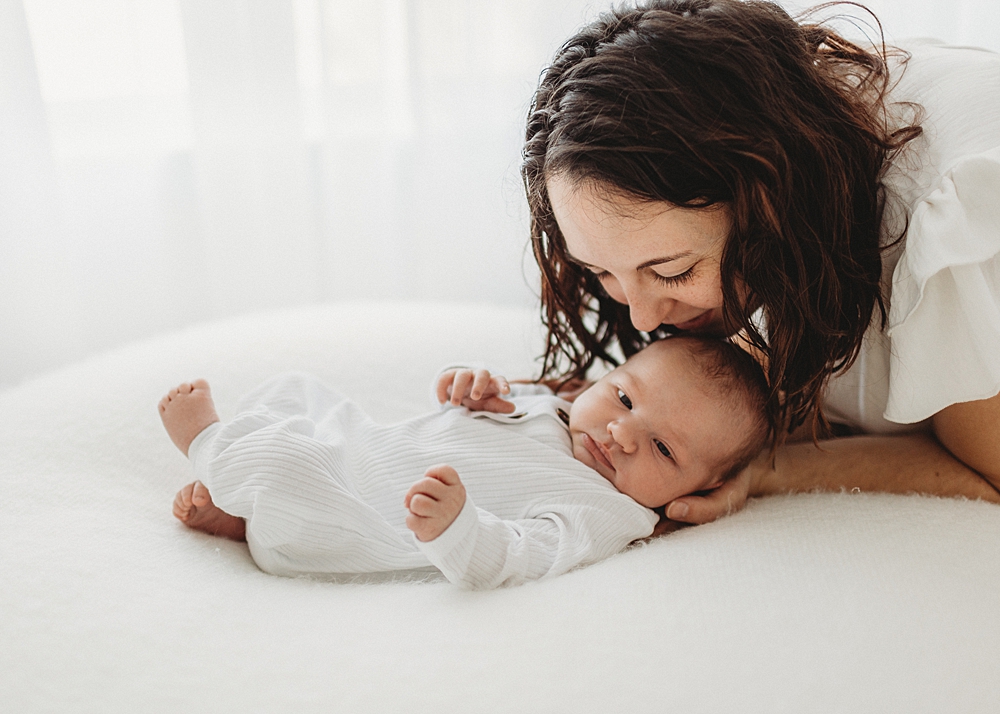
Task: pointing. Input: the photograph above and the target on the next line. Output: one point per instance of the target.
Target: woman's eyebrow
(648, 264)
(667, 259)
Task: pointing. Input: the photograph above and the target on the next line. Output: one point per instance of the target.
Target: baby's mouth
(598, 450)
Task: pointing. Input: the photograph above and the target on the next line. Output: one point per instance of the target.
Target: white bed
(809, 603)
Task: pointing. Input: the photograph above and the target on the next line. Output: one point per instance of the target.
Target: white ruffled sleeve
(944, 318)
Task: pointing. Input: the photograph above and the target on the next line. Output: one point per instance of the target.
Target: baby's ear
(711, 487)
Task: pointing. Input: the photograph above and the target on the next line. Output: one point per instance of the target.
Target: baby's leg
(186, 411)
(194, 508)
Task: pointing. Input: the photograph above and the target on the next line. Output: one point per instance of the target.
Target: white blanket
(810, 603)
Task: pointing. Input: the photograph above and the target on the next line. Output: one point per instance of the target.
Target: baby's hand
(476, 389)
(434, 502)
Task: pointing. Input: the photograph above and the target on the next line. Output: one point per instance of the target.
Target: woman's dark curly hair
(706, 102)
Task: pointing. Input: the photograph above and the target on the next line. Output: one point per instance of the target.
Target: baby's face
(654, 428)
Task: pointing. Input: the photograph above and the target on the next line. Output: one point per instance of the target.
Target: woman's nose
(647, 312)
(645, 319)
(622, 436)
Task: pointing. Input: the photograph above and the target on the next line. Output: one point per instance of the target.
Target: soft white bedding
(811, 603)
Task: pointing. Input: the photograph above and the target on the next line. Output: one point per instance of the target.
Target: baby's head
(683, 415)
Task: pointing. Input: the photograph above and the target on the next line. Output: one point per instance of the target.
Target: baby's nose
(622, 436)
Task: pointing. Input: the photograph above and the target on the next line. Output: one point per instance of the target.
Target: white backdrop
(164, 162)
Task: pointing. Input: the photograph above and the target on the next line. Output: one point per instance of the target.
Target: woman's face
(660, 260)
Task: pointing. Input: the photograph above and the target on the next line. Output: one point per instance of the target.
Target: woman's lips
(598, 451)
(696, 323)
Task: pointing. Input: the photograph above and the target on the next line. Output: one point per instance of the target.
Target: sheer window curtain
(164, 162)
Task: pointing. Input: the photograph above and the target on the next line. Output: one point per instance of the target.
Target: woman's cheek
(706, 296)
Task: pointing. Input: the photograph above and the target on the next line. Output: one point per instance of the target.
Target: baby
(528, 485)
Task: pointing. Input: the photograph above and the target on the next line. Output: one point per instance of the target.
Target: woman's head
(662, 261)
(739, 144)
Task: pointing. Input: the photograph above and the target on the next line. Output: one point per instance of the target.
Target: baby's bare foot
(194, 508)
(186, 411)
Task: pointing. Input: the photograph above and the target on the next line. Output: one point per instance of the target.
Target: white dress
(942, 342)
(321, 487)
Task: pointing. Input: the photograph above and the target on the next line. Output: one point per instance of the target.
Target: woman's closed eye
(623, 398)
(680, 279)
(675, 279)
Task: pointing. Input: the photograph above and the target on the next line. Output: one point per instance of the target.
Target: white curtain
(164, 162)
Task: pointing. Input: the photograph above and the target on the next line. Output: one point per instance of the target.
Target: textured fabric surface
(812, 603)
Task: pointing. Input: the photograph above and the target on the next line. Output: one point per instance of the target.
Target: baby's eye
(623, 398)
(663, 448)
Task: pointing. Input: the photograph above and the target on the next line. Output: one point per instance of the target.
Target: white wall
(169, 161)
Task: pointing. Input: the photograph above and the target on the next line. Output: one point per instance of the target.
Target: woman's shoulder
(929, 70)
(953, 93)
(943, 279)
(944, 302)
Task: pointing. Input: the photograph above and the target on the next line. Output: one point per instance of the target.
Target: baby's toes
(182, 503)
(200, 496)
(184, 388)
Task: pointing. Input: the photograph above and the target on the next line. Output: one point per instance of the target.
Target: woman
(715, 166)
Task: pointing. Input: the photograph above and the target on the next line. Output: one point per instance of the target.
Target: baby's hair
(736, 375)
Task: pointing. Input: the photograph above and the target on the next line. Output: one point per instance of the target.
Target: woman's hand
(720, 501)
(476, 389)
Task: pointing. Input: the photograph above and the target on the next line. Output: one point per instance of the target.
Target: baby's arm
(476, 389)
(434, 502)
(479, 550)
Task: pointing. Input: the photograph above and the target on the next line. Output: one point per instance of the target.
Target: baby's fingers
(482, 382)
(444, 384)
(500, 384)
(434, 502)
(443, 473)
(496, 405)
(420, 489)
(423, 505)
(427, 492)
(461, 386)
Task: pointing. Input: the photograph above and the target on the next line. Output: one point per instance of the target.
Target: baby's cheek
(581, 454)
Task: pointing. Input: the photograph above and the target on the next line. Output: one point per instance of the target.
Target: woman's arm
(912, 463)
(971, 432)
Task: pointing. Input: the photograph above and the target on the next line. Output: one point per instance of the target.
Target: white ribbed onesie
(321, 487)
